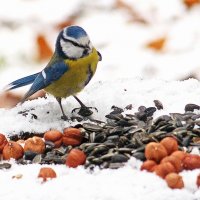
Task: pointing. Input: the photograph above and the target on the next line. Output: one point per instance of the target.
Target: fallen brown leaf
(66, 22)
(11, 99)
(157, 44)
(135, 16)
(191, 3)
(44, 49)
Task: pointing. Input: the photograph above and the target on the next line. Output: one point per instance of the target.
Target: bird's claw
(64, 117)
(84, 111)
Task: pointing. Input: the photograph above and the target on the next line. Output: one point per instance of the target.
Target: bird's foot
(84, 111)
(64, 117)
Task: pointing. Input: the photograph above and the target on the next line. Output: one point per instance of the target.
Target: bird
(70, 69)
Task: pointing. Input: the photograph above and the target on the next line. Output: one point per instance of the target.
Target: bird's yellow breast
(79, 73)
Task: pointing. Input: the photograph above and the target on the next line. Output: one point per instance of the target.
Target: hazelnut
(164, 168)
(72, 136)
(3, 141)
(155, 151)
(46, 172)
(148, 165)
(170, 144)
(13, 150)
(35, 144)
(75, 158)
(198, 181)
(175, 161)
(174, 181)
(58, 143)
(179, 154)
(54, 136)
(191, 162)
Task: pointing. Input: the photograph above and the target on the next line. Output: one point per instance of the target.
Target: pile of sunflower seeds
(112, 143)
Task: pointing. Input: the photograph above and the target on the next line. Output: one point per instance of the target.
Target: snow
(128, 182)
(174, 95)
(129, 73)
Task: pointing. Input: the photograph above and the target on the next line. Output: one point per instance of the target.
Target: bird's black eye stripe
(74, 43)
(85, 53)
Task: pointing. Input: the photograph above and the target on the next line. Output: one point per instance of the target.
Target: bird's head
(73, 43)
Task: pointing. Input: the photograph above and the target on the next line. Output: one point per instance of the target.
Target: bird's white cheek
(74, 52)
(70, 50)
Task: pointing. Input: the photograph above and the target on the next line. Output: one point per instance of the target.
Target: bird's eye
(85, 52)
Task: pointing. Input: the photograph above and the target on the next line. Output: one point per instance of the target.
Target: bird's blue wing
(46, 77)
(21, 82)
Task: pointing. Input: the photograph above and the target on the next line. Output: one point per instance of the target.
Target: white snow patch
(120, 92)
(127, 182)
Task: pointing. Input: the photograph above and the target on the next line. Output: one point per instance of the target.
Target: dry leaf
(9, 99)
(135, 16)
(66, 22)
(191, 3)
(44, 49)
(70, 20)
(157, 44)
(40, 93)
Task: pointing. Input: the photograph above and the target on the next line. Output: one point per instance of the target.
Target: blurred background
(149, 39)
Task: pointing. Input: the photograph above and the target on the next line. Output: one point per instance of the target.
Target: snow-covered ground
(174, 95)
(125, 183)
(130, 73)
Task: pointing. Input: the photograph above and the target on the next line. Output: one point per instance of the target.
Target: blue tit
(70, 69)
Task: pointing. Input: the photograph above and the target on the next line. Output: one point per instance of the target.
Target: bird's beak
(100, 57)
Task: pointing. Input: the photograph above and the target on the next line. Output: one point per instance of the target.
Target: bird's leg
(64, 117)
(83, 110)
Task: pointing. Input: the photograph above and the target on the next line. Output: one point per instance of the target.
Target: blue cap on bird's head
(74, 32)
(73, 43)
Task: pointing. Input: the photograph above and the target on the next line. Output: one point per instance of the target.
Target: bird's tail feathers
(21, 82)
